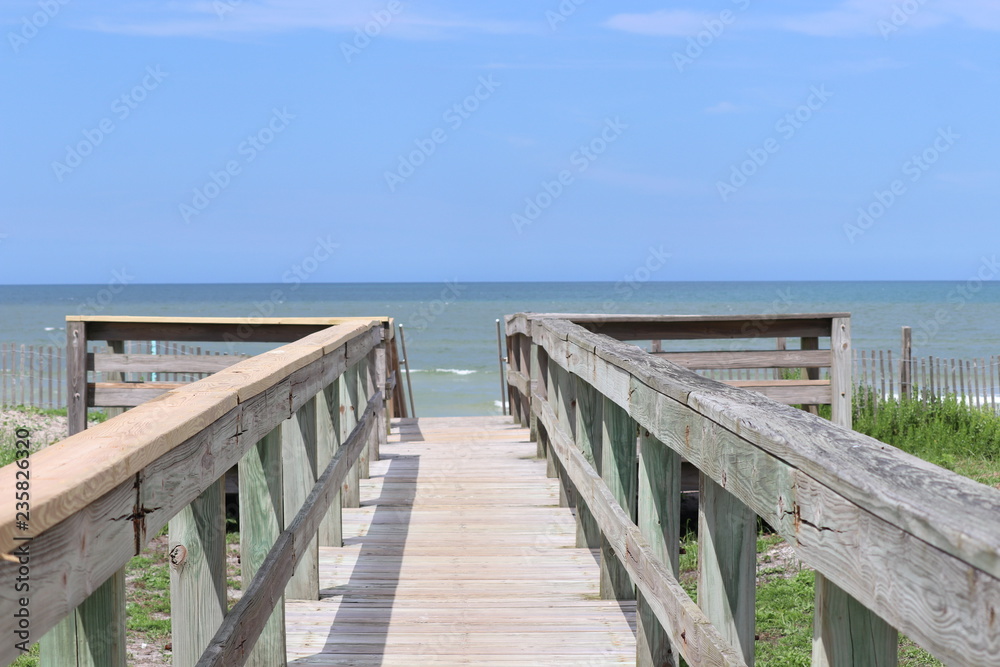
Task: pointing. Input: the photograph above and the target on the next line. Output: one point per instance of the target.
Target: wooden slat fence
(32, 375)
(881, 374)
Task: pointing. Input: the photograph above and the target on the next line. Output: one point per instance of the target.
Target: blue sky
(228, 141)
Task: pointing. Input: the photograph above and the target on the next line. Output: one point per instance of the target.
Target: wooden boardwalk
(459, 555)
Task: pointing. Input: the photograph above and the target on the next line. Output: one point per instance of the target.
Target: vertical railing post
(331, 531)
(840, 371)
(533, 375)
(845, 632)
(381, 378)
(588, 441)
(299, 473)
(198, 590)
(261, 520)
(659, 513)
(93, 635)
(727, 564)
(618, 449)
(360, 400)
(525, 363)
(348, 419)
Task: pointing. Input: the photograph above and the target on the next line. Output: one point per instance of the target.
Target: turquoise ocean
(451, 327)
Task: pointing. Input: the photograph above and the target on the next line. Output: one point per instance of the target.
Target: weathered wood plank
(749, 359)
(156, 363)
(330, 532)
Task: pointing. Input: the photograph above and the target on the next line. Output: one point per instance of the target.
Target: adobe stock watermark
(455, 116)
(363, 35)
(914, 167)
(901, 14)
(30, 25)
(249, 149)
(561, 13)
(424, 316)
(121, 107)
(714, 29)
(580, 160)
(786, 127)
(104, 297)
(961, 294)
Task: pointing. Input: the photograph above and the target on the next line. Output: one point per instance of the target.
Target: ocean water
(451, 329)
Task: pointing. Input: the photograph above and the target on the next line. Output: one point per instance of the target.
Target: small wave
(50, 328)
(414, 370)
(456, 371)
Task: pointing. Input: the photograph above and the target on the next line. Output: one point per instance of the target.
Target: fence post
(533, 380)
(381, 378)
(659, 514)
(618, 450)
(261, 520)
(299, 473)
(906, 365)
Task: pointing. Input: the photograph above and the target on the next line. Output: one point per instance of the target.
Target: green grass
(945, 432)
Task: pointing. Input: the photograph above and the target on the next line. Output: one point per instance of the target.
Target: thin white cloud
(724, 107)
(233, 18)
(849, 18)
(665, 22)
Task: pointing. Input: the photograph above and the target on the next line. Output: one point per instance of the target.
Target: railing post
(588, 441)
(362, 392)
(261, 521)
(299, 473)
(93, 635)
(331, 531)
(659, 512)
(845, 632)
(347, 419)
(198, 592)
(841, 386)
(727, 564)
(381, 378)
(533, 375)
(618, 448)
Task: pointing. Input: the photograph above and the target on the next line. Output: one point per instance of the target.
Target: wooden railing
(897, 543)
(302, 422)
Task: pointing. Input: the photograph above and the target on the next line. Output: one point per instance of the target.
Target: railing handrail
(835, 495)
(98, 496)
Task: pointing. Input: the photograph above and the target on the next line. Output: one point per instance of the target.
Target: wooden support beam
(261, 522)
(589, 416)
(331, 531)
(299, 471)
(659, 513)
(727, 564)
(347, 420)
(198, 588)
(618, 470)
(846, 633)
